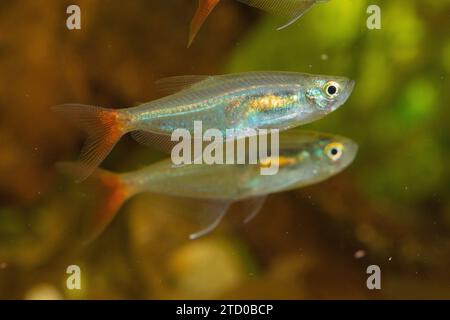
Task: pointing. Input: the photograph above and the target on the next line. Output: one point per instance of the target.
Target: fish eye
(334, 150)
(331, 89)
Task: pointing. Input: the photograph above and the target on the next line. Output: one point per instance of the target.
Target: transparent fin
(293, 20)
(195, 217)
(287, 8)
(176, 84)
(111, 193)
(297, 137)
(160, 142)
(209, 214)
(205, 7)
(163, 143)
(104, 127)
(252, 207)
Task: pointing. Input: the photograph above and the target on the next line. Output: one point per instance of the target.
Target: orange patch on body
(269, 102)
(233, 105)
(280, 161)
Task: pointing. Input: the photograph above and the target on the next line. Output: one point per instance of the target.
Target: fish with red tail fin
(242, 101)
(293, 9)
(304, 158)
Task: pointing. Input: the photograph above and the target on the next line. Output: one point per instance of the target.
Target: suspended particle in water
(359, 254)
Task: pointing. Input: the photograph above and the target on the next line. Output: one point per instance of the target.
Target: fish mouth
(346, 94)
(352, 150)
(351, 85)
(349, 89)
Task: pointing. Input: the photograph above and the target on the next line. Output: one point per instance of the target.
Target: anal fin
(161, 142)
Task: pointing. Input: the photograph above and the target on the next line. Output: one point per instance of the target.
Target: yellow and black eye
(331, 89)
(334, 151)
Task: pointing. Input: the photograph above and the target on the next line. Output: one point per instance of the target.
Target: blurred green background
(391, 207)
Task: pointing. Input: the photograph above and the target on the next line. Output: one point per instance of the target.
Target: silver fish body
(234, 104)
(253, 100)
(303, 160)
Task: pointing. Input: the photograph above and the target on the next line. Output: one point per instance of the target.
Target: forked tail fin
(104, 127)
(111, 193)
(204, 9)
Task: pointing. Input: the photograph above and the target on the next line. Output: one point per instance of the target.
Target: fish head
(325, 94)
(308, 157)
(315, 156)
(331, 154)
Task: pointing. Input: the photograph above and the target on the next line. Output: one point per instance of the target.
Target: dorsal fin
(176, 84)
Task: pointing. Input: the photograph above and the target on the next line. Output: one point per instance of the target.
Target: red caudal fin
(104, 128)
(204, 9)
(111, 191)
